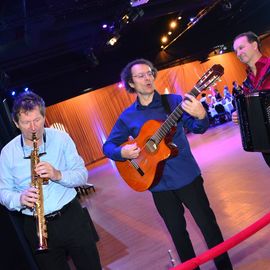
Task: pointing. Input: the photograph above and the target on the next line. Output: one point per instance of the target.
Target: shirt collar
(154, 103)
(260, 63)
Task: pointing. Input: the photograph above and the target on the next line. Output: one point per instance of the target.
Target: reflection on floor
(133, 236)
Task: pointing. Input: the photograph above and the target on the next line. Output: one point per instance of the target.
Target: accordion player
(254, 119)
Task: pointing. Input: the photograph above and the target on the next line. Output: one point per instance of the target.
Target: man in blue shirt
(181, 183)
(68, 230)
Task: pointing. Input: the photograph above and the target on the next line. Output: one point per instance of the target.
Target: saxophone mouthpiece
(34, 136)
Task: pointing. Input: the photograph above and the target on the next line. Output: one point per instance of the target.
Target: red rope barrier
(224, 246)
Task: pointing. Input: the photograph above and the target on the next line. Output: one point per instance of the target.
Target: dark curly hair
(126, 76)
(251, 37)
(25, 102)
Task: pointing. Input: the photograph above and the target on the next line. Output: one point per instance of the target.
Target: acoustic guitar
(155, 142)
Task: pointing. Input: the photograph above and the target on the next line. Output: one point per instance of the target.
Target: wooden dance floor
(133, 236)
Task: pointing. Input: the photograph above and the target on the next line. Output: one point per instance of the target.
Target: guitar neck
(172, 119)
(206, 80)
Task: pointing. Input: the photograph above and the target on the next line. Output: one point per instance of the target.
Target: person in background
(236, 89)
(247, 47)
(217, 95)
(204, 102)
(213, 102)
(226, 93)
(68, 227)
(181, 183)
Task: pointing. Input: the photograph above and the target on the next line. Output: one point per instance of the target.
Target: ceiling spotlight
(219, 49)
(173, 24)
(113, 40)
(179, 16)
(125, 18)
(135, 3)
(132, 15)
(164, 39)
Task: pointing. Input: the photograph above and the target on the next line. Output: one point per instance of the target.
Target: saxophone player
(67, 229)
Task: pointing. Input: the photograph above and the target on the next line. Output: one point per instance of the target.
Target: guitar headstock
(209, 77)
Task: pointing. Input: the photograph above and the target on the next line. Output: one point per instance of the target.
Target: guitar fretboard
(172, 119)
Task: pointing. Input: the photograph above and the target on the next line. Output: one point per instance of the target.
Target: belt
(59, 213)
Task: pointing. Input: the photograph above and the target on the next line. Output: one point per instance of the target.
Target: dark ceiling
(58, 47)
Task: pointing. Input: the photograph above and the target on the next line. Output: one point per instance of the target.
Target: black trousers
(68, 235)
(170, 205)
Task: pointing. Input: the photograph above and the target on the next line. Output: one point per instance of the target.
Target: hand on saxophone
(46, 170)
(29, 197)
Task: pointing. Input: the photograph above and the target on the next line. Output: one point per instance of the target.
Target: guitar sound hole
(151, 146)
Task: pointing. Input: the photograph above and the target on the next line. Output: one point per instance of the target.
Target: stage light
(125, 18)
(135, 3)
(112, 41)
(13, 93)
(132, 15)
(164, 39)
(173, 24)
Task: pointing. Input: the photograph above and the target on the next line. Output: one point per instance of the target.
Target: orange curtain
(88, 118)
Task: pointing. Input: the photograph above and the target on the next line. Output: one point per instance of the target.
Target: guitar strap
(166, 104)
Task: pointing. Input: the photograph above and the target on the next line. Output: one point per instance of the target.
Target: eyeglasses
(144, 75)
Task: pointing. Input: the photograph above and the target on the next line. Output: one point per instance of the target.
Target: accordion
(254, 120)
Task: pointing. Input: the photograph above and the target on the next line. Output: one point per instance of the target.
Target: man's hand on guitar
(193, 107)
(130, 151)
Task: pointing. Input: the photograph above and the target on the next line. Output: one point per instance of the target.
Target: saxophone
(37, 182)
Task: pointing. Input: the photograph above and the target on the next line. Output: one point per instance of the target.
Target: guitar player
(180, 183)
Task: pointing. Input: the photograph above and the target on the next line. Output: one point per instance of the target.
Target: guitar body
(149, 165)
